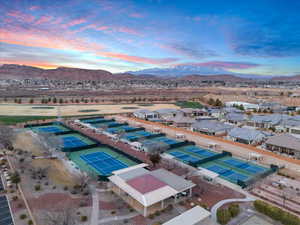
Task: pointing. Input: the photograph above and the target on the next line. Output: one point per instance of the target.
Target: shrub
(113, 212)
(66, 188)
(234, 210)
(15, 198)
(30, 222)
(223, 216)
(84, 218)
(276, 213)
(23, 216)
(157, 213)
(37, 187)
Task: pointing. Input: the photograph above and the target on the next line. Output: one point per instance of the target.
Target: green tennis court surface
(100, 160)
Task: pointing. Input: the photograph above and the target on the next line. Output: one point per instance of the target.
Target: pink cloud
(127, 30)
(138, 59)
(43, 19)
(224, 64)
(34, 7)
(21, 16)
(136, 15)
(75, 22)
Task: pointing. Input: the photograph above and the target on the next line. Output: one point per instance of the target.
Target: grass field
(10, 120)
(194, 105)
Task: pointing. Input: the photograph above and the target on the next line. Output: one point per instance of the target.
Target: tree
(82, 180)
(62, 215)
(15, 178)
(234, 210)
(223, 216)
(61, 101)
(54, 100)
(31, 101)
(155, 159)
(211, 101)
(7, 135)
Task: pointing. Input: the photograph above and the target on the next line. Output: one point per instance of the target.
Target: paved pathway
(95, 209)
(215, 208)
(116, 218)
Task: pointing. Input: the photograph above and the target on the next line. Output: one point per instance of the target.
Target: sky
(259, 37)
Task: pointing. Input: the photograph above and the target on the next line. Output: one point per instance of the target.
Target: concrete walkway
(215, 208)
(116, 218)
(95, 209)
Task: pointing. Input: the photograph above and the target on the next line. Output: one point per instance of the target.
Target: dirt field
(67, 110)
(57, 171)
(25, 141)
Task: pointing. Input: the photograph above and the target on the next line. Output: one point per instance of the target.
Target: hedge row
(276, 213)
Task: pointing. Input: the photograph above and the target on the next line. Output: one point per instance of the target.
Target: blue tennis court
(166, 140)
(75, 140)
(249, 167)
(103, 162)
(105, 124)
(132, 136)
(203, 153)
(227, 173)
(184, 157)
(53, 129)
(93, 120)
(5, 214)
(124, 128)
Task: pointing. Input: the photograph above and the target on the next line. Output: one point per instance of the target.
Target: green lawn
(11, 120)
(189, 105)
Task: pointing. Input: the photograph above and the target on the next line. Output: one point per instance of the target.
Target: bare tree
(82, 180)
(51, 142)
(7, 135)
(63, 215)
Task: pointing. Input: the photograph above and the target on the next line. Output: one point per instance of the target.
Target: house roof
(179, 118)
(238, 117)
(273, 119)
(143, 111)
(149, 187)
(166, 111)
(211, 126)
(285, 140)
(190, 217)
(247, 134)
(191, 110)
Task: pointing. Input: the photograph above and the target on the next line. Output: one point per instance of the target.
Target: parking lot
(5, 214)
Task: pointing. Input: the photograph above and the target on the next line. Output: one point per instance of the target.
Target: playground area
(100, 160)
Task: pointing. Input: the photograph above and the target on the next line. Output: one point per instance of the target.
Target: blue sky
(251, 37)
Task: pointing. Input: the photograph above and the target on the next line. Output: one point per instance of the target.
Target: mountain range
(15, 71)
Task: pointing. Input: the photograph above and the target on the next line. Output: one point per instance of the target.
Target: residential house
(211, 127)
(191, 112)
(146, 114)
(284, 143)
(236, 118)
(247, 136)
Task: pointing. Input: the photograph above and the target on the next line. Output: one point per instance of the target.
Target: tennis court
(5, 214)
(166, 140)
(75, 140)
(226, 172)
(108, 123)
(120, 129)
(53, 128)
(100, 160)
(133, 136)
(200, 152)
(184, 157)
(247, 166)
(93, 120)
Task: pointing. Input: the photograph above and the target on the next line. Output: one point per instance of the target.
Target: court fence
(254, 179)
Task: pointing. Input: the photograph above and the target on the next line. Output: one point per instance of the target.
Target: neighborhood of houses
(268, 126)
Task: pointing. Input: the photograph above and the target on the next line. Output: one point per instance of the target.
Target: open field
(68, 110)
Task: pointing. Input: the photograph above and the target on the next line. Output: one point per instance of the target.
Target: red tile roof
(146, 183)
